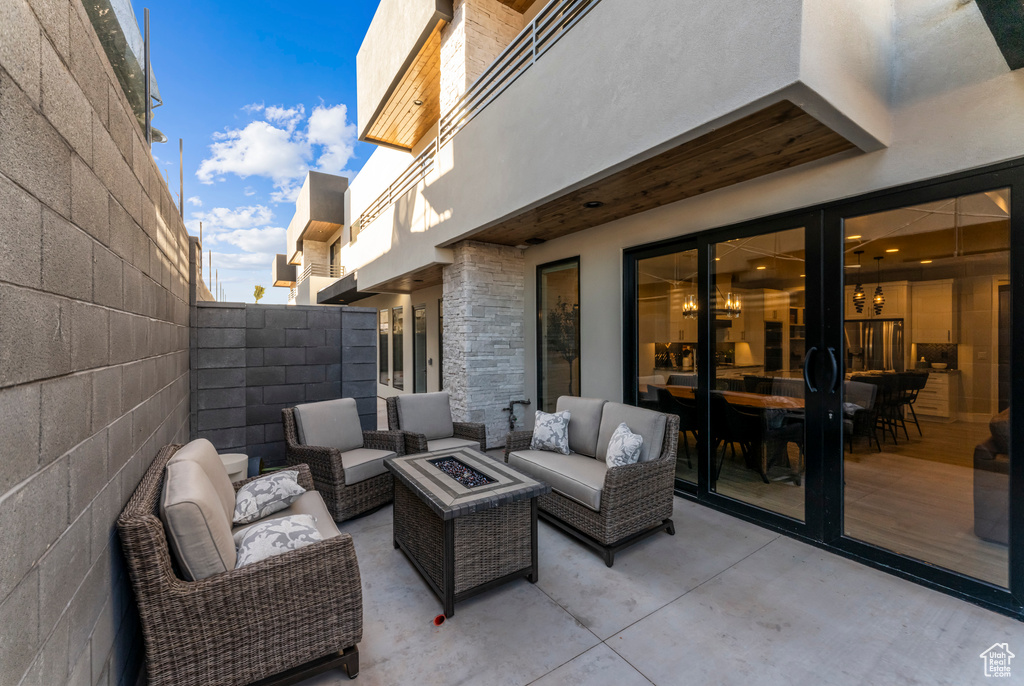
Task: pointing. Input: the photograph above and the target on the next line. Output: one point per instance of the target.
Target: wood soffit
(319, 231)
(402, 123)
(424, 277)
(778, 137)
(518, 5)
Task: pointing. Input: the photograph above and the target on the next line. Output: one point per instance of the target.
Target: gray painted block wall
(93, 346)
(251, 361)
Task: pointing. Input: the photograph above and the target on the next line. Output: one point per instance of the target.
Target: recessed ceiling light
(762, 267)
(926, 261)
(852, 238)
(803, 276)
(852, 266)
(893, 250)
(718, 259)
(417, 102)
(593, 204)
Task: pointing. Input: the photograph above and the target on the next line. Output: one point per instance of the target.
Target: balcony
(319, 212)
(698, 117)
(398, 66)
(313, 278)
(282, 274)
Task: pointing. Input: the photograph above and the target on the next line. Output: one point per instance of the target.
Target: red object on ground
(439, 620)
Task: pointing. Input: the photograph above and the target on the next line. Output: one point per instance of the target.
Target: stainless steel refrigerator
(874, 345)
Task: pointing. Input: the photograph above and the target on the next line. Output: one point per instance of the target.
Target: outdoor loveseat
(606, 508)
(347, 463)
(284, 617)
(426, 421)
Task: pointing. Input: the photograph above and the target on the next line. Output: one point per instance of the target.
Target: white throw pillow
(276, 537)
(266, 495)
(551, 432)
(624, 447)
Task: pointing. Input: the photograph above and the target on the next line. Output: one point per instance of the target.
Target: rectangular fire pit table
(465, 539)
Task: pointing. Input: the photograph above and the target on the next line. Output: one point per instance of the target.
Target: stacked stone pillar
(484, 354)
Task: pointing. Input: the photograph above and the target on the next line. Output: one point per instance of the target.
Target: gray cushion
(276, 536)
(647, 423)
(310, 503)
(429, 414)
(364, 463)
(584, 422)
(330, 424)
(624, 447)
(452, 444)
(202, 452)
(198, 530)
(551, 432)
(578, 477)
(264, 496)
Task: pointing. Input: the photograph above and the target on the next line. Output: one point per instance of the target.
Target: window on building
(558, 332)
(398, 321)
(382, 348)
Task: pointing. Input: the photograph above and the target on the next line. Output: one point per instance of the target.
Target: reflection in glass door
(419, 349)
(397, 348)
(927, 431)
(558, 332)
(757, 413)
(383, 349)
(667, 346)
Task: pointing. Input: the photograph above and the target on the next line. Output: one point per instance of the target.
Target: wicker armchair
(636, 500)
(261, 622)
(344, 501)
(416, 442)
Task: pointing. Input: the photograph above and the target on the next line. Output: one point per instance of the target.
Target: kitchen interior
(927, 291)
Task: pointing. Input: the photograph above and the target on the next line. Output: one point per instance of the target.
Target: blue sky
(260, 92)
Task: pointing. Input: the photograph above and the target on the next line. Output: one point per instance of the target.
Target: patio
(723, 601)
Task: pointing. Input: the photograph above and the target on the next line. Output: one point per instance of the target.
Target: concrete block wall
(251, 361)
(93, 346)
(484, 348)
(478, 32)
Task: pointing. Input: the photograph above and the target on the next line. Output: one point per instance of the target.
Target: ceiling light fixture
(690, 307)
(593, 204)
(761, 267)
(926, 261)
(879, 300)
(859, 297)
(893, 250)
(418, 103)
(852, 238)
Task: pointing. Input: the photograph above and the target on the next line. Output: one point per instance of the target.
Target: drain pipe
(511, 409)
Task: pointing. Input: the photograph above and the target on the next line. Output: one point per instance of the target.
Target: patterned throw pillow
(624, 447)
(551, 432)
(266, 495)
(275, 537)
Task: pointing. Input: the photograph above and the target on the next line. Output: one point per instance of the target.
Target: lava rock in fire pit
(465, 475)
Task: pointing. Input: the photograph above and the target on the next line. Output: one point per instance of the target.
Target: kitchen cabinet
(938, 397)
(932, 319)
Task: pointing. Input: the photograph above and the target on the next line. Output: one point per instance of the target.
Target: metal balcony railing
(314, 269)
(550, 24)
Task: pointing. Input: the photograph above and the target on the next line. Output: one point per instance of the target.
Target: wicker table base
(481, 542)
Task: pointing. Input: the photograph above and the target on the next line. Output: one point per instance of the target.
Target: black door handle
(834, 364)
(806, 364)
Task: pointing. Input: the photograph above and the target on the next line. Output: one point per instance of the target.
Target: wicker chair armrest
(305, 478)
(324, 463)
(414, 442)
(634, 481)
(471, 431)
(385, 440)
(517, 440)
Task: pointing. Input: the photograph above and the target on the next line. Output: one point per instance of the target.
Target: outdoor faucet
(511, 409)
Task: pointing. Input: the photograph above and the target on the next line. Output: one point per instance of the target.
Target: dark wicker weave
(636, 500)
(243, 625)
(417, 443)
(343, 501)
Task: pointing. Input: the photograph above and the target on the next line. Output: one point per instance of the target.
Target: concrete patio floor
(721, 602)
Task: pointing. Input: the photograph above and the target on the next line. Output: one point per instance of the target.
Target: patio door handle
(806, 365)
(834, 365)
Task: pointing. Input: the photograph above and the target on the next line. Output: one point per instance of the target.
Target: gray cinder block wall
(251, 361)
(484, 353)
(93, 346)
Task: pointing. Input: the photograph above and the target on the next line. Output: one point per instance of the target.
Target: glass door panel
(419, 349)
(758, 422)
(667, 346)
(397, 348)
(927, 341)
(383, 349)
(558, 332)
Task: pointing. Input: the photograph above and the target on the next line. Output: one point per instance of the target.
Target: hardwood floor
(914, 498)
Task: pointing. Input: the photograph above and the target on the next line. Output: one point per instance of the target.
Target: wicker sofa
(274, 621)
(347, 463)
(425, 419)
(605, 508)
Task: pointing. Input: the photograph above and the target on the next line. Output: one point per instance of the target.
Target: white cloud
(279, 149)
(249, 191)
(252, 108)
(223, 218)
(195, 201)
(270, 239)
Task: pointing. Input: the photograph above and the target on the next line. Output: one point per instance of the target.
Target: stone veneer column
(478, 32)
(484, 354)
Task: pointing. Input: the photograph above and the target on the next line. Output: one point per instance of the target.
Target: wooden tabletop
(739, 398)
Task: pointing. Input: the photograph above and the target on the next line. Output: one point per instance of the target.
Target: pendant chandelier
(733, 306)
(879, 300)
(859, 297)
(690, 307)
